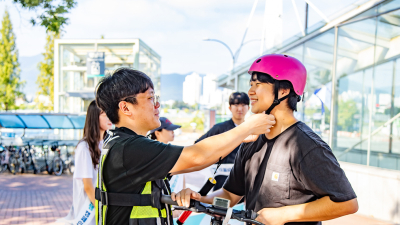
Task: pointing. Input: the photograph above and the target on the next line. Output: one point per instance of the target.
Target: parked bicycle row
(50, 157)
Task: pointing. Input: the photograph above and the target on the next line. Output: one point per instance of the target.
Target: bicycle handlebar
(167, 200)
(196, 206)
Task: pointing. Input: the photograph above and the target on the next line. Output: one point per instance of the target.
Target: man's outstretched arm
(319, 210)
(209, 150)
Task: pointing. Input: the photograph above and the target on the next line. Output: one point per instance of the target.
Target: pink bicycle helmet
(281, 67)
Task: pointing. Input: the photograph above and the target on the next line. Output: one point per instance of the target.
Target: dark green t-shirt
(130, 164)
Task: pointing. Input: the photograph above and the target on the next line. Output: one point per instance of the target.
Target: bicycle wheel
(28, 159)
(57, 166)
(71, 168)
(22, 167)
(3, 167)
(13, 165)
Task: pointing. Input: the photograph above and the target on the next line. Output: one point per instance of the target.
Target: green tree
(181, 105)
(323, 77)
(50, 13)
(10, 83)
(199, 120)
(347, 110)
(45, 80)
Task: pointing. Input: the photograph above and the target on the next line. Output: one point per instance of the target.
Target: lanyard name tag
(223, 169)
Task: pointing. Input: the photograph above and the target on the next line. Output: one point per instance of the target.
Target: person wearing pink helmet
(289, 175)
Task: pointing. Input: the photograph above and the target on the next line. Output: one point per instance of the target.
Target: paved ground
(34, 199)
(41, 199)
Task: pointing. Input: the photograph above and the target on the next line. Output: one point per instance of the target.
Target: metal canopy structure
(352, 60)
(42, 121)
(50, 142)
(318, 48)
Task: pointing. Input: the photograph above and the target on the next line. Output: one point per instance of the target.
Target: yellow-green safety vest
(147, 208)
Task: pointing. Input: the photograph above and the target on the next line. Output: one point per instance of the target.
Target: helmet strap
(276, 100)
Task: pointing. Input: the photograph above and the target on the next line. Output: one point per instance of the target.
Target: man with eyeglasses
(239, 106)
(133, 168)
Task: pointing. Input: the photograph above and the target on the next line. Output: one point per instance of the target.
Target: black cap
(166, 124)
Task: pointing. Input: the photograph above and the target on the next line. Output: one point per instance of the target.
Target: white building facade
(213, 95)
(74, 88)
(192, 89)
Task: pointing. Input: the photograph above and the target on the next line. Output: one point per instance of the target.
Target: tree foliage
(346, 112)
(45, 80)
(10, 83)
(183, 105)
(50, 12)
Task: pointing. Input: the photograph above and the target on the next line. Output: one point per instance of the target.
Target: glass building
(352, 97)
(74, 87)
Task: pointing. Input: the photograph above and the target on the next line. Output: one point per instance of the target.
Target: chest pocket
(276, 182)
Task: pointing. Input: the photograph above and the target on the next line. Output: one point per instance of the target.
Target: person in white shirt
(87, 156)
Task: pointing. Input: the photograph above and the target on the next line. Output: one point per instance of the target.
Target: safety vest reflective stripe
(102, 163)
(97, 204)
(141, 212)
(100, 208)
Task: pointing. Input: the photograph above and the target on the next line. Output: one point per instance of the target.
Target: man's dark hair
(112, 89)
(283, 84)
(239, 98)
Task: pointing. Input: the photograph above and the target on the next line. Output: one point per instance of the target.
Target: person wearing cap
(239, 106)
(165, 133)
(289, 175)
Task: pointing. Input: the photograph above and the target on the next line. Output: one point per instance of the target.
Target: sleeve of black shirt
(213, 131)
(320, 172)
(145, 159)
(235, 183)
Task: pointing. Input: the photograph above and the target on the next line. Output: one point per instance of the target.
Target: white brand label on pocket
(275, 176)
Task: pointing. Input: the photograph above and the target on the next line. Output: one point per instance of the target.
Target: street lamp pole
(233, 56)
(232, 62)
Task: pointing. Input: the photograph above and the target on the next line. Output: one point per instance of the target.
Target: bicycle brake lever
(246, 220)
(248, 216)
(195, 206)
(183, 208)
(251, 214)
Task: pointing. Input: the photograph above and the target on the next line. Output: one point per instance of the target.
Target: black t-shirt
(219, 129)
(132, 163)
(230, 158)
(300, 168)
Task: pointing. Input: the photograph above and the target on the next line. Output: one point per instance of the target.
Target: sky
(175, 29)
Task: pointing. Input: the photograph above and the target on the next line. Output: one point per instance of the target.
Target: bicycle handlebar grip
(167, 200)
(203, 192)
